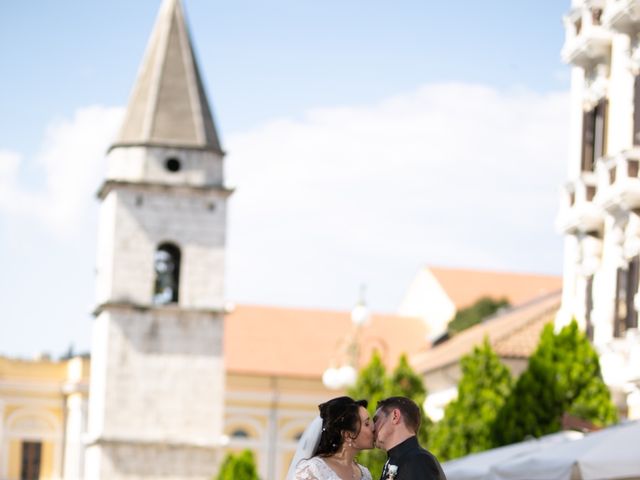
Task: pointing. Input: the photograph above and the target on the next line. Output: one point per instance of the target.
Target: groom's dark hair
(408, 408)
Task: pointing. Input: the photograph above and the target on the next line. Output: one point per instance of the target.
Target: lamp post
(345, 375)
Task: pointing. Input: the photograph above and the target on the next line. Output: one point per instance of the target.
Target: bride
(328, 447)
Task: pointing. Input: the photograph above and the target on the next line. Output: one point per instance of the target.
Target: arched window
(240, 433)
(167, 267)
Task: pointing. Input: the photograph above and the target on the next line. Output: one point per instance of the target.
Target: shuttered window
(600, 129)
(621, 302)
(632, 289)
(594, 135)
(588, 136)
(589, 307)
(626, 315)
(636, 111)
(30, 464)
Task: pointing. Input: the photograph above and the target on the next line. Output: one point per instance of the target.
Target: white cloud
(71, 166)
(451, 174)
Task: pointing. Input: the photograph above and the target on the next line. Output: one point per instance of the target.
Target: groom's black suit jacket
(413, 462)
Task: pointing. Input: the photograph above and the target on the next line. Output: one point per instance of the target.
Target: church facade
(600, 211)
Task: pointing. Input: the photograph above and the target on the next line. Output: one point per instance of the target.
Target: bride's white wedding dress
(306, 466)
(316, 468)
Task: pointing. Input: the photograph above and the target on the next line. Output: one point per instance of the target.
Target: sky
(365, 140)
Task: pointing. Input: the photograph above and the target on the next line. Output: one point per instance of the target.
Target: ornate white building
(600, 211)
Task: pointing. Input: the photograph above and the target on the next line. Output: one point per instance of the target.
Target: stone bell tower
(157, 374)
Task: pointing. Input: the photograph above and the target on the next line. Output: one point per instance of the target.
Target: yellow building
(39, 400)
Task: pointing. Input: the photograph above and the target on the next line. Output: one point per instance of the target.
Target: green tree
(406, 382)
(374, 384)
(372, 381)
(483, 389)
(481, 309)
(563, 375)
(241, 466)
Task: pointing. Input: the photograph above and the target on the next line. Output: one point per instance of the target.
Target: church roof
(512, 334)
(168, 105)
(465, 286)
(304, 343)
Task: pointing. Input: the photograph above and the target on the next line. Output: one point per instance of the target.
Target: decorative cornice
(109, 185)
(152, 442)
(166, 145)
(158, 309)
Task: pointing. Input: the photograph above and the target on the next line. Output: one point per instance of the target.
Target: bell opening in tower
(167, 268)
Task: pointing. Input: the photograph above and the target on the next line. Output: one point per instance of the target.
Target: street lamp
(360, 314)
(345, 375)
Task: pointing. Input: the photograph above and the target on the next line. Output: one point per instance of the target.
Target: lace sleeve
(366, 474)
(307, 471)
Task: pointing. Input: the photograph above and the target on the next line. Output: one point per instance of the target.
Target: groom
(396, 423)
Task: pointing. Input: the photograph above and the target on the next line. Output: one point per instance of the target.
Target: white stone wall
(620, 94)
(126, 461)
(76, 414)
(105, 251)
(575, 128)
(568, 307)
(98, 385)
(147, 164)
(604, 288)
(427, 300)
(157, 393)
(135, 221)
(162, 378)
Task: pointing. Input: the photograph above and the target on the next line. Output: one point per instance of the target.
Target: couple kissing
(327, 448)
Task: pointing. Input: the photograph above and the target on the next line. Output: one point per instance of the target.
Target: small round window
(173, 164)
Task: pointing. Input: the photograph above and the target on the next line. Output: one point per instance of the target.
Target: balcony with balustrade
(588, 41)
(622, 16)
(618, 181)
(579, 212)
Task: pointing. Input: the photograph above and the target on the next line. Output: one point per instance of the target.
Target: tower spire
(168, 105)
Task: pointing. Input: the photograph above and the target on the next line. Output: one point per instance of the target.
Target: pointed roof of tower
(168, 105)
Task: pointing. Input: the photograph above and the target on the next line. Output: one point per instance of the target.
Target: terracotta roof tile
(513, 333)
(521, 343)
(464, 287)
(300, 342)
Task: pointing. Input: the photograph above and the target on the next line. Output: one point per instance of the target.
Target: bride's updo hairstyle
(338, 415)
